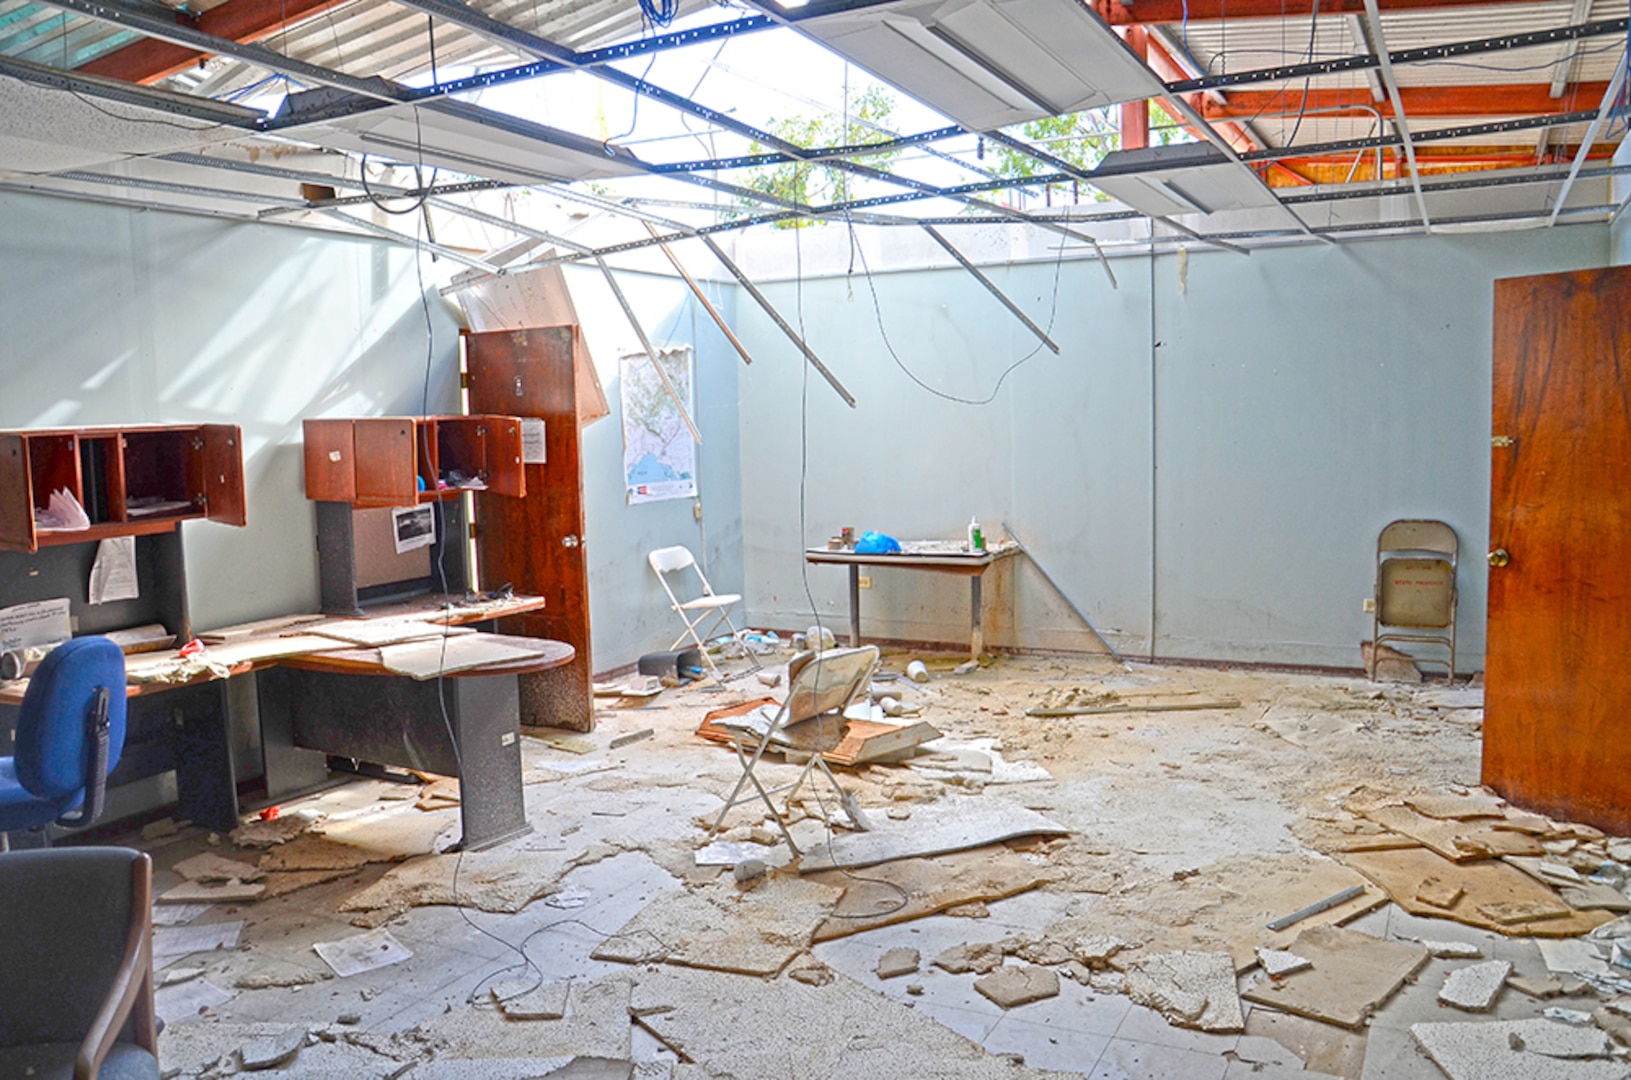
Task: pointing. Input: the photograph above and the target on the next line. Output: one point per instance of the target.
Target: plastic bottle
(976, 540)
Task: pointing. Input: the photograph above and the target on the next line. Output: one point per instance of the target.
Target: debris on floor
(1191, 989)
(1351, 975)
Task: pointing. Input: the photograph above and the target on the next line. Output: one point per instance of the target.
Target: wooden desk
(327, 697)
(466, 724)
(935, 556)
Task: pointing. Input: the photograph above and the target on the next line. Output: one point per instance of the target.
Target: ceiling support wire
(1401, 124)
(411, 241)
(991, 287)
(1611, 97)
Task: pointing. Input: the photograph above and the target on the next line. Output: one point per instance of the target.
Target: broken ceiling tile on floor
(783, 1028)
(375, 838)
(721, 927)
(1353, 974)
(1476, 803)
(1518, 1050)
(1459, 841)
(955, 823)
(1475, 987)
(1277, 963)
(1191, 989)
(504, 879)
(210, 867)
(1323, 1048)
(929, 885)
(1013, 985)
(212, 892)
(897, 962)
(546, 1001)
(1484, 883)
(596, 1025)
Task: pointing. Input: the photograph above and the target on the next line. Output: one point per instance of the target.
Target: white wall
(1219, 493)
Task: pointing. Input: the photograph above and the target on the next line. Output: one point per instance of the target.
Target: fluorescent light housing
(1185, 178)
(990, 63)
(468, 139)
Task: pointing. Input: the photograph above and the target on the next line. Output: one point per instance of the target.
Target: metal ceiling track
(1450, 51)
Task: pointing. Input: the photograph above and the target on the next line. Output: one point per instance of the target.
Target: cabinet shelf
(130, 481)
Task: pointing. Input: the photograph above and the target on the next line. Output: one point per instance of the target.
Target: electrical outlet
(696, 509)
(865, 582)
(1370, 605)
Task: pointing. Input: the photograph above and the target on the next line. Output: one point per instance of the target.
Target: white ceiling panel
(990, 63)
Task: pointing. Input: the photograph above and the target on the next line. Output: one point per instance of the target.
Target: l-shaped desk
(318, 697)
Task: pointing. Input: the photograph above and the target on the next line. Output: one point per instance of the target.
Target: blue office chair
(70, 733)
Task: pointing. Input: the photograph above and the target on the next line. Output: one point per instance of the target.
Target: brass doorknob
(1499, 558)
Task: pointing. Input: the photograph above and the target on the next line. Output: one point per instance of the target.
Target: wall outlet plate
(1370, 605)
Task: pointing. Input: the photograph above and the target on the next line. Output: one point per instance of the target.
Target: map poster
(659, 455)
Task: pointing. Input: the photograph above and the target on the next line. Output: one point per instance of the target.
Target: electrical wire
(877, 310)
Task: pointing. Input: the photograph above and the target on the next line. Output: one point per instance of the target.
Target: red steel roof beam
(1138, 12)
(1167, 69)
(1420, 102)
(147, 61)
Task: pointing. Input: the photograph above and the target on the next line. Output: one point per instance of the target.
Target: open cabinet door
(224, 474)
(1556, 677)
(505, 474)
(16, 495)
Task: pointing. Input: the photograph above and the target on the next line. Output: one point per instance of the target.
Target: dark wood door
(1558, 684)
(535, 543)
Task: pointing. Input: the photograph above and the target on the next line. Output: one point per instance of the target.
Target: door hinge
(1502, 442)
(475, 530)
(464, 380)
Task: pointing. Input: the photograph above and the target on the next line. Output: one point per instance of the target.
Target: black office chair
(76, 932)
(70, 734)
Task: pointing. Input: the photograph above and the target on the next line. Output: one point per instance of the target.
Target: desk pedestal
(464, 726)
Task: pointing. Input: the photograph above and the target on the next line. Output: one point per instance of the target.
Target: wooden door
(16, 495)
(535, 543)
(1558, 683)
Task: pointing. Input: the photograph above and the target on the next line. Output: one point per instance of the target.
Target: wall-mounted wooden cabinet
(129, 480)
(406, 460)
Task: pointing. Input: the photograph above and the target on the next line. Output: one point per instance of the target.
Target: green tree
(818, 183)
(1081, 139)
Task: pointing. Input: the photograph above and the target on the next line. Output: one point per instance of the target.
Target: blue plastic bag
(876, 543)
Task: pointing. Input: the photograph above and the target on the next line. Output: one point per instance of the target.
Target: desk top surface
(927, 554)
(300, 641)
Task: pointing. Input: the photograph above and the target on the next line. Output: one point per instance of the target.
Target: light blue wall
(114, 316)
(1226, 501)
(1620, 191)
(629, 612)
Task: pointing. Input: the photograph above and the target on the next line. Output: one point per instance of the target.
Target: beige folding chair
(1415, 588)
(819, 687)
(694, 612)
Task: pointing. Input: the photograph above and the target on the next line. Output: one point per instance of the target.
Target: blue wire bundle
(659, 12)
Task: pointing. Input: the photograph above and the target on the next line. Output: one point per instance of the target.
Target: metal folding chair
(818, 684)
(1415, 588)
(694, 612)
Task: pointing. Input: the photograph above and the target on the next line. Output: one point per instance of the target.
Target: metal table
(935, 556)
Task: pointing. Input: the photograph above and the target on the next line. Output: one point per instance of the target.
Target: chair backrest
(52, 746)
(66, 918)
(826, 681)
(669, 559)
(1418, 534)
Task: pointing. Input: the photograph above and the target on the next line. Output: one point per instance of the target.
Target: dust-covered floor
(1194, 806)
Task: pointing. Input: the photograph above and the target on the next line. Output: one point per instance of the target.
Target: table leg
(976, 616)
(854, 604)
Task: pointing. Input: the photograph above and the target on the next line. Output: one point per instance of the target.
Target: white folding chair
(819, 685)
(694, 612)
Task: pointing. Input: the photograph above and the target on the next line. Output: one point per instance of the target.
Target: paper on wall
(113, 574)
(532, 441)
(414, 527)
(40, 622)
